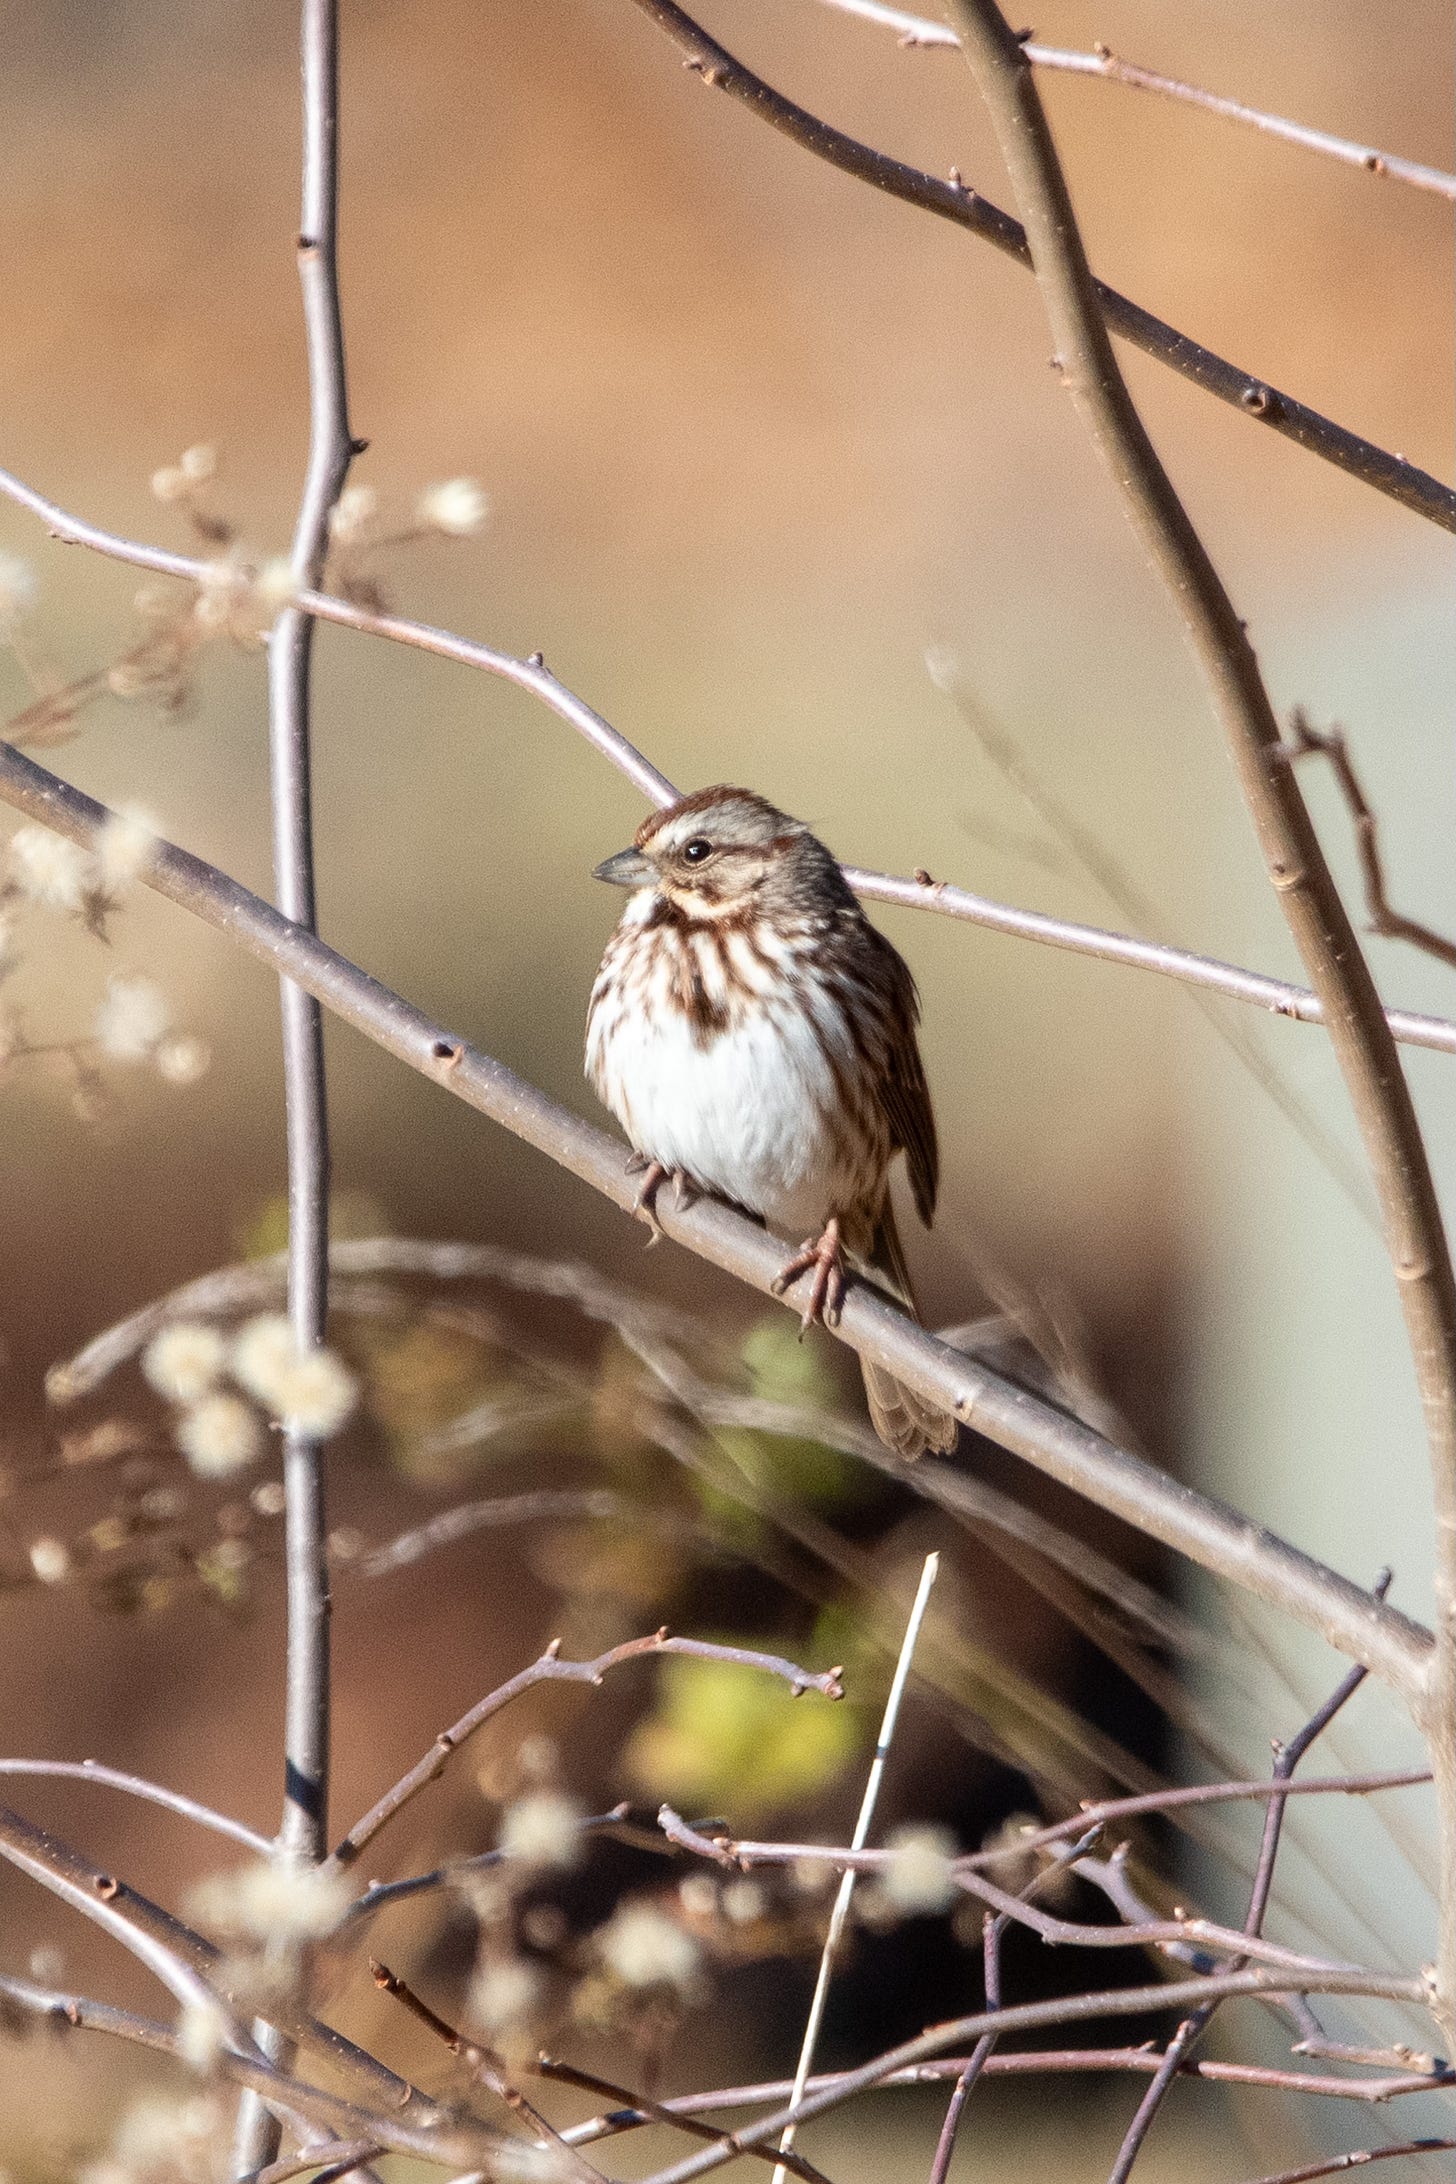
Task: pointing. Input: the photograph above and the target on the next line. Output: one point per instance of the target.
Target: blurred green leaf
(724, 1738)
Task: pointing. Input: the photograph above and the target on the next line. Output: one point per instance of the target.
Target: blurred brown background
(754, 439)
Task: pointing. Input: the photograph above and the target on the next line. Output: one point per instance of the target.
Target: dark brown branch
(1366, 1054)
(1389, 922)
(1251, 396)
(659, 2112)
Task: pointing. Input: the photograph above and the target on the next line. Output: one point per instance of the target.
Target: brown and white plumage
(756, 1037)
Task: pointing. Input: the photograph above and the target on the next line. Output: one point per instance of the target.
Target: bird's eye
(697, 849)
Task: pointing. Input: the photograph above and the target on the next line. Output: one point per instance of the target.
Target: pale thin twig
(919, 30)
(845, 1893)
(188, 1808)
(1389, 922)
(1337, 2164)
(1279, 996)
(303, 1830)
(1390, 1643)
(1286, 1758)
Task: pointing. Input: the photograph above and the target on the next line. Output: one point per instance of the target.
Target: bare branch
(303, 1831)
(660, 2112)
(1279, 996)
(919, 30)
(189, 1808)
(550, 1668)
(1366, 1054)
(1385, 920)
(1337, 2164)
(1389, 1643)
(1414, 489)
(1032, 2016)
(430, 2131)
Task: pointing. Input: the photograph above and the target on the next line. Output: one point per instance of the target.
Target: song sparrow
(755, 1037)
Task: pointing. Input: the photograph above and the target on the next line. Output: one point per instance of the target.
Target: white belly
(744, 1115)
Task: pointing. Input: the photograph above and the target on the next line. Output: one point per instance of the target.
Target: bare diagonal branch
(1413, 489)
(919, 30)
(920, 892)
(1246, 1554)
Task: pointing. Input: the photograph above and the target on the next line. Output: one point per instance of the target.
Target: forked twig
(548, 1669)
(919, 30)
(1391, 923)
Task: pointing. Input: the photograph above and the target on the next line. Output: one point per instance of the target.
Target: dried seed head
(17, 591)
(50, 1559)
(918, 1879)
(184, 1361)
(219, 1435)
(198, 463)
(266, 1902)
(131, 1018)
(353, 512)
(49, 870)
(183, 1058)
(543, 1829)
(458, 507)
(643, 1947)
(125, 846)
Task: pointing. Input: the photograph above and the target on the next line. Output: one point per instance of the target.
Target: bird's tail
(906, 1422)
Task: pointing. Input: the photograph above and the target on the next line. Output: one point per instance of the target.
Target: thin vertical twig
(1318, 920)
(303, 1832)
(992, 1932)
(1287, 1757)
(840, 1914)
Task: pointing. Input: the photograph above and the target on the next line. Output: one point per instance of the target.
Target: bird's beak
(629, 868)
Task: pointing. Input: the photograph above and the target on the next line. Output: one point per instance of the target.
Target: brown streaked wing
(904, 1093)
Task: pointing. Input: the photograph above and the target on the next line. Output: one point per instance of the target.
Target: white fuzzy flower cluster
(353, 514)
(503, 2000)
(201, 2035)
(542, 1829)
(17, 591)
(50, 1560)
(161, 2140)
(288, 1905)
(642, 1947)
(132, 1018)
(49, 871)
(179, 481)
(457, 508)
(308, 1391)
(918, 1881)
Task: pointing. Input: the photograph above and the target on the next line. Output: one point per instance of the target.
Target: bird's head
(723, 852)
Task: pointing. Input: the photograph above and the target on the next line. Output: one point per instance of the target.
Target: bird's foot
(826, 1292)
(654, 1174)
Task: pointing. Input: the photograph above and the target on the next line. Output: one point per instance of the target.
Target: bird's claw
(654, 1174)
(826, 1291)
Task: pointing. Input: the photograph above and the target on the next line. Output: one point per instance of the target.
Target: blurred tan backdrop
(754, 438)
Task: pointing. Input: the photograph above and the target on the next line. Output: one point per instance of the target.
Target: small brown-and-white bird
(756, 1038)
